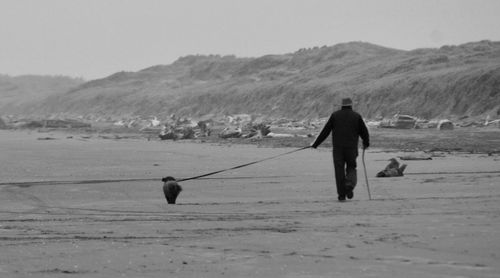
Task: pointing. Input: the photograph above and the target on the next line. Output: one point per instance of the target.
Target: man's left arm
(327, 129)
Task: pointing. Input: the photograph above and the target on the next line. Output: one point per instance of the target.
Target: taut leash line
(242, 165)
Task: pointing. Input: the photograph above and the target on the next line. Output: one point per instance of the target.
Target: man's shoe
(350, 195)
(341, 198)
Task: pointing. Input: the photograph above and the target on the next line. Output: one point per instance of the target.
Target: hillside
(451, 81)
(20, 93)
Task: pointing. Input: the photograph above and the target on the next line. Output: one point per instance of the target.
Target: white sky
(95, 38)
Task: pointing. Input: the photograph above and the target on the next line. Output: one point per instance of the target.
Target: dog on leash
(171, 189)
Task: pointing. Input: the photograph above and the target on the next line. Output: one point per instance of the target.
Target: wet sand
(90, 207)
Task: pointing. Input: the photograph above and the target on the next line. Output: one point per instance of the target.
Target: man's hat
(347, 102)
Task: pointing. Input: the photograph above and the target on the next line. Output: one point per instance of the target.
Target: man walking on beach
(346, 126)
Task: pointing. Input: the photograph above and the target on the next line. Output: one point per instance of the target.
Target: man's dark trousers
(344, 161)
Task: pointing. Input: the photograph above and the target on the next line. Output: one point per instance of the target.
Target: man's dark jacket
(346, 126)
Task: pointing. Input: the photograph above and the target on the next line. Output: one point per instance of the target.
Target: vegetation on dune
(451, 81)
(18, 93)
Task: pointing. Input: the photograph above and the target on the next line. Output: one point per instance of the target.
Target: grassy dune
(451, 82)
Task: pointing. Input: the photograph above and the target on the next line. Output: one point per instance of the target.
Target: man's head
(346, 102)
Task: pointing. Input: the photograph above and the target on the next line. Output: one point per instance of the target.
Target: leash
(242, 165)
(366, 176)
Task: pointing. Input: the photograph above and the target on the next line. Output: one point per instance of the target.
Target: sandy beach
(79, 206)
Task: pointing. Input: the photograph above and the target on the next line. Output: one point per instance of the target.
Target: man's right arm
(363, 133)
